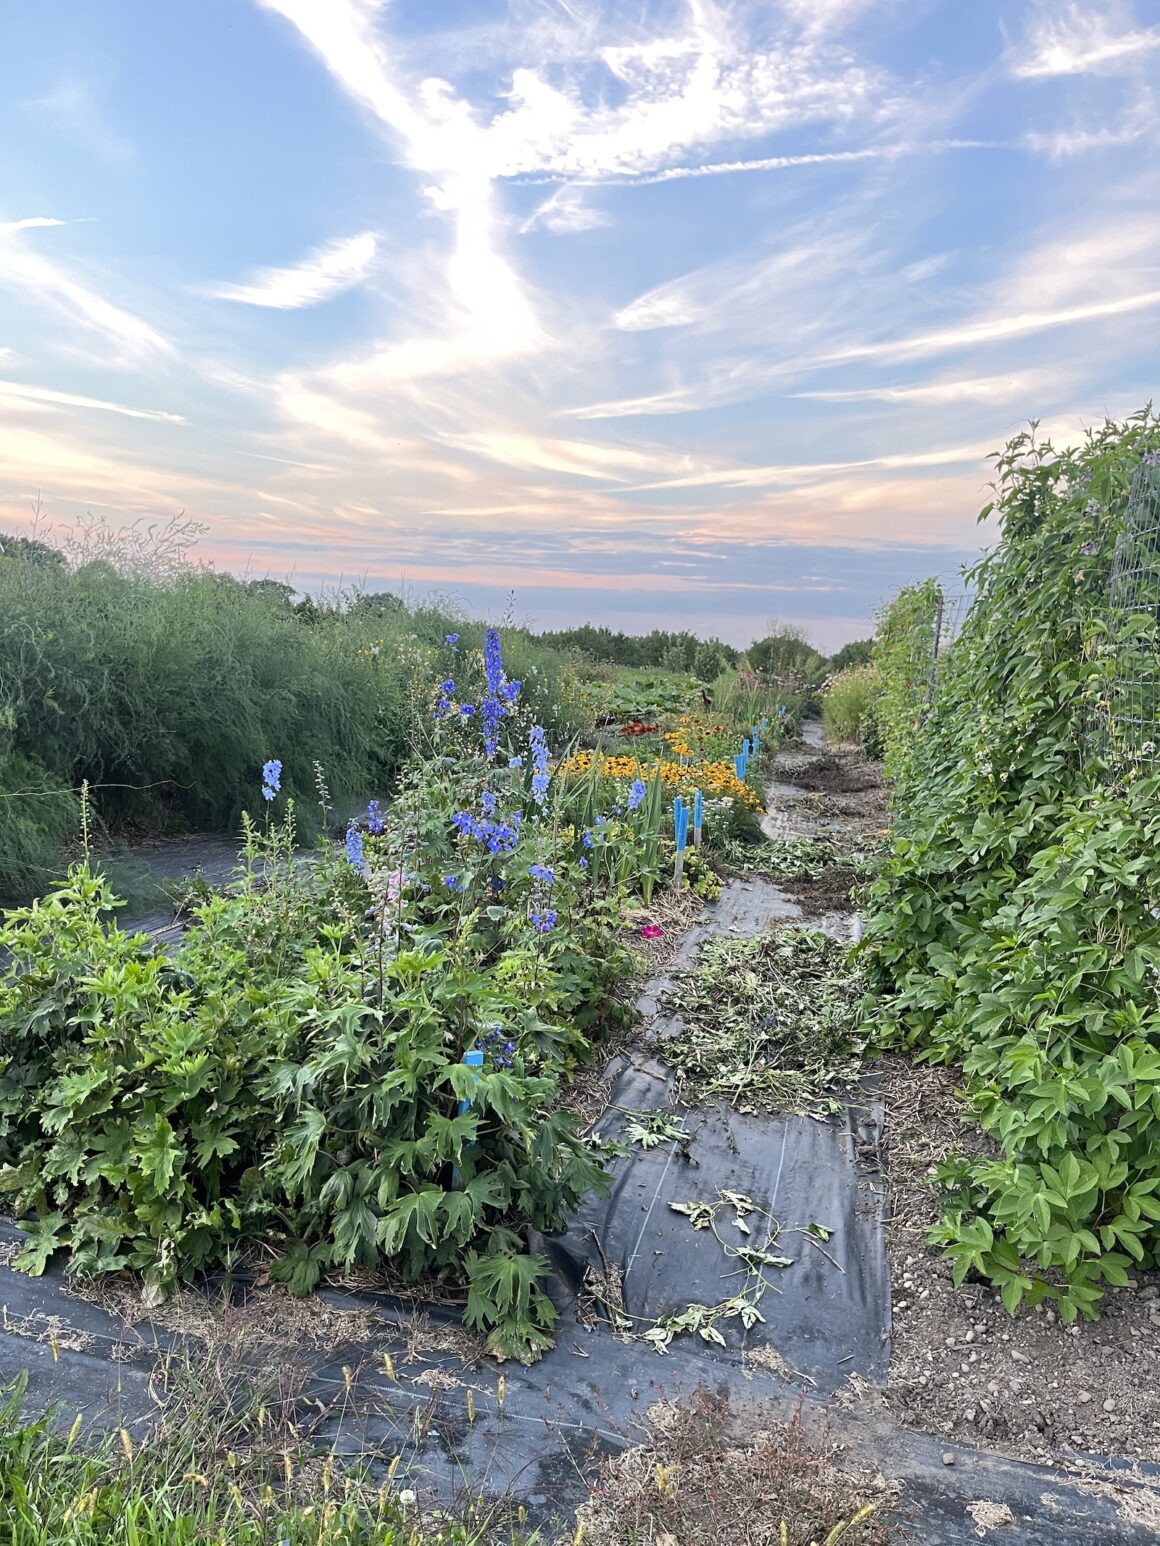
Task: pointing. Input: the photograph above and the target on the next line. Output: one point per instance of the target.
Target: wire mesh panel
(1129, 730)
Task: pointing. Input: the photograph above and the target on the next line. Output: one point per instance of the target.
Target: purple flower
(584, 864)
(544, 922)
(540, 775)
(542, 872)
(354, 847)
(271, 778)
(451, 638)
(637, 793)
(1152, 458)
(453, 882)
(374, 818)
(515, 762)
(467, 710)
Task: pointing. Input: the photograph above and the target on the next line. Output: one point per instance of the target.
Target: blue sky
(656, 312)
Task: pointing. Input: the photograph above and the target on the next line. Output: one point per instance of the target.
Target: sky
(659, 313)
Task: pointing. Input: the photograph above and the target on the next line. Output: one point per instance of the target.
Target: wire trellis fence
(1127, 722)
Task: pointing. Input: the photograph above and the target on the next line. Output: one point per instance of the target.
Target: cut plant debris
(768, 1023)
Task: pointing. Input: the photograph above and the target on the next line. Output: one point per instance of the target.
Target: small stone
(1109, 1405)
(948, 1458)
(1083, 1397)
(1019, 1356)
(970, 1337)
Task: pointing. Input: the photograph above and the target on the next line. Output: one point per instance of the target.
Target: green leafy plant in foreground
(295, 1073)
(1014, 929)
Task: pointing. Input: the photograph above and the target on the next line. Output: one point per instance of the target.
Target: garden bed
(960, 1365)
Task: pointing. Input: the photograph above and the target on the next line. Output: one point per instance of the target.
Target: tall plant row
(1015, 929)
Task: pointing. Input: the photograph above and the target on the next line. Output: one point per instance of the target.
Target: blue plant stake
(474, 1060)
(681, 832)
(764, 726)
(698, 813)
(739, 765)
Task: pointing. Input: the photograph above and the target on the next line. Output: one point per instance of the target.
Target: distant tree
(377, 603)
(27, 550)
(276, 591)
(784, 652)
(856, 653)
(709, 661)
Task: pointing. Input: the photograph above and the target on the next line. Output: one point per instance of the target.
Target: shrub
(848, 701)
(1015, 927)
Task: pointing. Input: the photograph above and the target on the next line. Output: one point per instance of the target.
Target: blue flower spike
(271, 778)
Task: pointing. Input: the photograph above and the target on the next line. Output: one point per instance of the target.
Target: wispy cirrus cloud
(324, 273)
(1082, 39)
(49, 284)
(47, 397)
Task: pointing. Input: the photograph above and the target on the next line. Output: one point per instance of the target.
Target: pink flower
(651, 931)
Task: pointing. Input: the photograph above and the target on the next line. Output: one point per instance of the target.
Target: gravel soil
(960, 1365)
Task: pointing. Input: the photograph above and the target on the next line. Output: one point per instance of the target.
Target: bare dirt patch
(961, 1366)
(829, 891)
(707, 1475)
(835, 773)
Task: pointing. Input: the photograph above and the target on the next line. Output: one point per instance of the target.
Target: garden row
(162, 685)
(1015, 929)
(361, 1062)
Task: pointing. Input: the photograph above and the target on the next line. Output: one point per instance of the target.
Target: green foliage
(857, 653)
(904, 657)
(672, 651)
(849, 702)
(203, 1478)
(296, 1070)
(166, 688)
(1015, 928)
(786, 652)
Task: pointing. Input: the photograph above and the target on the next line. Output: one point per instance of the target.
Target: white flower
(407, 1499)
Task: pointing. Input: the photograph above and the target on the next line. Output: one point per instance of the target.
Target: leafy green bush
(848, 702)
(1015, 927)
(358, 1059)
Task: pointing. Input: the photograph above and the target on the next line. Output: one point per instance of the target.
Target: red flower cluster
(637, 727)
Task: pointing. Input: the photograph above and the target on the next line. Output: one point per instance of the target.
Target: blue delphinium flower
(499, 837)
(540, 775)
(487, 802)
(374, 818)
(542, 872)
(453, 882)
(500, 695)
(584, 864)
(271, 778)
(501, 1052)
(451, 638)
(446, 697)
(637, 793)
(1152, 458)
(544, 922)
(354, 847)
(587, 840)
(515, 762)
(467, 710)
